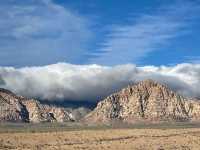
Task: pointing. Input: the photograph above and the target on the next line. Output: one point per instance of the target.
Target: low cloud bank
(64, 81)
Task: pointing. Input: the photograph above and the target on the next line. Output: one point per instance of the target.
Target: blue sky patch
(105, 32)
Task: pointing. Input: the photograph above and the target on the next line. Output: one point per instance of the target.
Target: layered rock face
(45, 113)
(145, 101)
(11, 108)
(15, 108)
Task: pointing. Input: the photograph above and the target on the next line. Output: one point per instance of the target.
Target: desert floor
(105, 138)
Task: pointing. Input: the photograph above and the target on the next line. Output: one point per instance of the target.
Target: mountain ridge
(145, 101)
(14, 108)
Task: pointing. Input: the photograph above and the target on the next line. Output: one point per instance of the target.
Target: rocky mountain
(15, 108)
(145, 101)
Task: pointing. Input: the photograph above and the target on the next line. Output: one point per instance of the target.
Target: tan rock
(20, 109)
(11, 109)
(145, 101)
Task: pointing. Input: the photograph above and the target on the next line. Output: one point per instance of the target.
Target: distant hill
(145, 101)
(15, 108)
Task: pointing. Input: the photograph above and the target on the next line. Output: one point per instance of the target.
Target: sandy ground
(108, 139)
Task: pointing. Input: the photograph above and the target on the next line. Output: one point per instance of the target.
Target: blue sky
(105, 32)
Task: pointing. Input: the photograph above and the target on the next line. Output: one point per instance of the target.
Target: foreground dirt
(109, 139)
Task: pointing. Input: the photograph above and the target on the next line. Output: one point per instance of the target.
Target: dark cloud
(93, 82)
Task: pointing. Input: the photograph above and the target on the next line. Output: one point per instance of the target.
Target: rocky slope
(15, 108)
(145, 101)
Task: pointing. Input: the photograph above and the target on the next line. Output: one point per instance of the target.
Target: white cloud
(93, 82)
(145, 34)
(41, 30)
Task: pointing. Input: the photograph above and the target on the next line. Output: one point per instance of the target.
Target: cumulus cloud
(63, 81)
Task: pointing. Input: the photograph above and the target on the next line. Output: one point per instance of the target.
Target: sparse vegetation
(77, 126)
(72, 136)
(76, 136)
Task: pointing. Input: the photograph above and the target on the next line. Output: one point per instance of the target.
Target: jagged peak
(148, 100)
(148, 82)
(140, 85)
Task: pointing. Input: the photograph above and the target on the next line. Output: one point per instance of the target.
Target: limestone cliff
(15, 108)
(145, 101)
(11, 108)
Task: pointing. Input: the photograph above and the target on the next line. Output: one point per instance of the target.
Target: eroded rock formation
(145, 101)
(15, 108)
